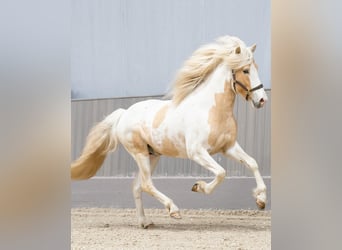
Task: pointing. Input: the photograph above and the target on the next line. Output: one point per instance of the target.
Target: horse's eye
(246, 71)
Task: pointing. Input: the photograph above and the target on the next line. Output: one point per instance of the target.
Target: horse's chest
(222, 135)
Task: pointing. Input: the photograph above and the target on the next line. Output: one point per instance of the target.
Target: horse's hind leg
(146, 184)
(143, 220)
(238, 154)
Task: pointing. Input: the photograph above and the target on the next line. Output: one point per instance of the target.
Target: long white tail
(100, 141)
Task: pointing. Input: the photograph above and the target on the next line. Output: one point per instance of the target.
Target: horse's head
(246, 81)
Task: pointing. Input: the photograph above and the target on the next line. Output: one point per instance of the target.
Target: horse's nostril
(261, 102)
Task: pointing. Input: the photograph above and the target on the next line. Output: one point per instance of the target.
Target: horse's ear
(238, 50)
(253, 47)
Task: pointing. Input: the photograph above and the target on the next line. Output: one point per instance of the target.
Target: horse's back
(143, 110)
(138, 116)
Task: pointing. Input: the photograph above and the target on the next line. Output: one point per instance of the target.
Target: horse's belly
(169, 145)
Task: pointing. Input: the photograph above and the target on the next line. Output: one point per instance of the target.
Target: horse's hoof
(146, 223)
(199, 186)
(195, 187)
(147, 226)
(260, 204)
(176, 215)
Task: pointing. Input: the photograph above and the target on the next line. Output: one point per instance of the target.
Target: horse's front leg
(238, 154)
(203, 158)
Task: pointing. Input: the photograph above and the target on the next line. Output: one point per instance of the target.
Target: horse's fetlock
(221, 174)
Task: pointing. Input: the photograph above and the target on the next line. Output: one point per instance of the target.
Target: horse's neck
(216, 90)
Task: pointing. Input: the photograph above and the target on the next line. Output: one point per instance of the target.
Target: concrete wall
(233, 193)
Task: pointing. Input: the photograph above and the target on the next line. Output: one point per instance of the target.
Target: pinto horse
(196, 122)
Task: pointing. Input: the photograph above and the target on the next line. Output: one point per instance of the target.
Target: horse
(195, 122)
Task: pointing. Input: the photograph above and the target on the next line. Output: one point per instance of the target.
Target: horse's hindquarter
(134, 125)
(152, 123)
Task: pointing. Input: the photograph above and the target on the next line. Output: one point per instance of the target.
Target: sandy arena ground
(110, 228)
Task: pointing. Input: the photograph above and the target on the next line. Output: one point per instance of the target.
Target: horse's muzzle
(260, 103)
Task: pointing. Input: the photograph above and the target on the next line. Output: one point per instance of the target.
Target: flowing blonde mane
(204, 61)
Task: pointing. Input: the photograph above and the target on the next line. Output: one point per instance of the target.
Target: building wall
(253, 135)
(123, 48)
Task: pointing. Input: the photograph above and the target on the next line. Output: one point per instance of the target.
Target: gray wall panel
(134, 47)
(253, 135)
